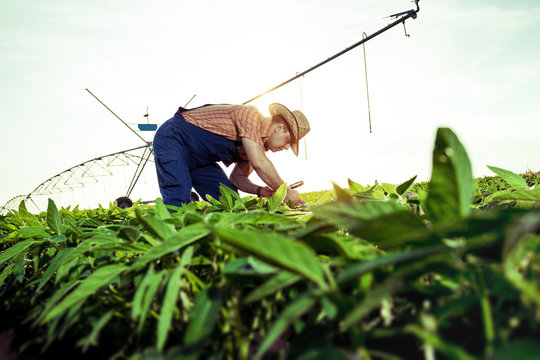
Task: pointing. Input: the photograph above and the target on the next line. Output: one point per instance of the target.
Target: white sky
(473, 66)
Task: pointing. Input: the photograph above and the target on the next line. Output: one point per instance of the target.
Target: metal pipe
(407, 14)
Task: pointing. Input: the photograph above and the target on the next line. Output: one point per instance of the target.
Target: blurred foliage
(447, 269)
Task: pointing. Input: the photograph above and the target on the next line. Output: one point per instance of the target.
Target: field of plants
(447, 269)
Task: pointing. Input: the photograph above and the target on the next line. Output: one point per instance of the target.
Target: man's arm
(264, 168)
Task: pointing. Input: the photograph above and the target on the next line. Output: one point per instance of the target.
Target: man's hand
(265, 192)
(294, 196)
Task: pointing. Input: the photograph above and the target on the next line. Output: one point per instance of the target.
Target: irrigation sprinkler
(79, 175)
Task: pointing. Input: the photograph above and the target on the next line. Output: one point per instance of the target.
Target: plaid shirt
(233, 122)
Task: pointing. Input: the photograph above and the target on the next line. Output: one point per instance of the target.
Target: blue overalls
(186, 156)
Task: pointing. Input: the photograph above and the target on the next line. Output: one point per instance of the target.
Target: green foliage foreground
(377, 272)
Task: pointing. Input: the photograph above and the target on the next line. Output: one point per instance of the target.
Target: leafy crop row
(379, 272)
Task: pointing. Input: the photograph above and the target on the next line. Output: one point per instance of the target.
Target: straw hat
(295, 120)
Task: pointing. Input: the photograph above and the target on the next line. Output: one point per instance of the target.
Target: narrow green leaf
(290, 314)
(514, 256)
(53, 300)
(518, 195)
(92, 338)
(228, 196)
(17, 249)
(341, 194)
(29, 218)
(182, 238)
(347, 213)
(141, 290)
(212, 200)
(451, 185)
(355, 187)
(148, 297)
(369, 220)
(402, 188)
(357, 270)
(272, 285)
(452, 351)
(389, 188)
(169, 303)
(275, 200)
(54, 219)
(161, 210)
(524, 349)
(37, 232)
(277, 250)
(327, 352)
(88, 286)
(513, 179)
(5, 273)
(61, 257)
(372, 299)
(155, 226)
(58, 238)
(202, 319)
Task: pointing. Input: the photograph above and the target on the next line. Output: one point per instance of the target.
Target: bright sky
(473, 66)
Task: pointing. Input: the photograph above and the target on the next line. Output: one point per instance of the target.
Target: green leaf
(452, 351)
(8, 270)
(29, 218)
(513, 179)
(53, 217)
(272, 285)
(514, 256)
(324, 353)
(155, 226)
(169, 303)
(355, 187)
(402, 188)
(51, 302)
(255, 218)
(389, 188)
(370, 219)
(88, 286)
(180, 239)
(524, 349)
(17, 249)
(58, 239)
(275, 200)
(290, 314)
(161, 210)
(202, 318)
(37, 232)
(372, 299)
(148, 297)
(451, 185)
(140, 291)
(227, 196)
(277, 250)
(92, 338)
(357, 270)
(341, 194)
(61, 257)
(518, 195)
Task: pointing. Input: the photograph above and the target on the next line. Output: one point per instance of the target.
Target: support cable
(118, 117)
(367, 87)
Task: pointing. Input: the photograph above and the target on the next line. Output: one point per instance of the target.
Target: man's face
(279, 139)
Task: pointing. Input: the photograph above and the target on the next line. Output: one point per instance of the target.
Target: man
(188, 147)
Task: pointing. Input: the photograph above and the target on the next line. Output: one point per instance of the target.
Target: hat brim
(290, 120)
